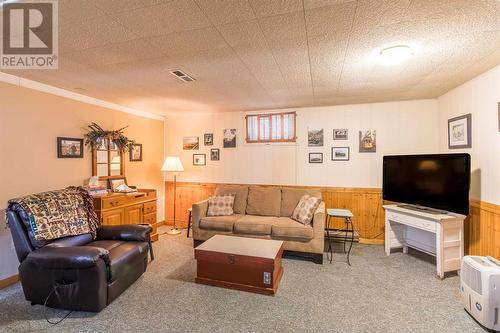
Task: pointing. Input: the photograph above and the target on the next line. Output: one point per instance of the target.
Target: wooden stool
(189, 221)
(347, 215)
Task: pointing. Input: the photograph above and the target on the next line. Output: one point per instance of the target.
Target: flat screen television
(439, 181)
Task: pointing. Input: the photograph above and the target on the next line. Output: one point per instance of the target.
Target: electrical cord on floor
(45, 309)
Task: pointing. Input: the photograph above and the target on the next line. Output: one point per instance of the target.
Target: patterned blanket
(60, 213)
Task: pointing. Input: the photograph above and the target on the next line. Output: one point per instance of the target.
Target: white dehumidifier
(480, 289)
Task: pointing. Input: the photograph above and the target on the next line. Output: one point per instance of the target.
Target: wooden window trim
(282, 127)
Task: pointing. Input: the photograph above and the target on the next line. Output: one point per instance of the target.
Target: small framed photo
(214, 154)
(208, 139)
(340, 153)
(136, 152)
(315, 157)
(190, 143)
(229, 140)
(368, 141)
(113, 183)
(69, 147)
(315, 137)
(199, 159)
(340, 134)
(460, 132)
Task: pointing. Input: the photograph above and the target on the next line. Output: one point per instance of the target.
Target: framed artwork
(191, 143)
(208, 139)
(460, 132)
(199, 159)
(340, 153)
(368, 141)
(315, 137)
(69, 147)
(214, 154)
(315, 157)
(135, 152)
(340, 134)
(113, 183)
(229, 138)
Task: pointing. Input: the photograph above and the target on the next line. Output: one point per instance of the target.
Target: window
(271, 127)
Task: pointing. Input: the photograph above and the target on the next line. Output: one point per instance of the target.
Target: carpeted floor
(399, 293)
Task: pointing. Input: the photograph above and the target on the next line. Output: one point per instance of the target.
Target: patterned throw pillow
(220, 205)
(305, 209)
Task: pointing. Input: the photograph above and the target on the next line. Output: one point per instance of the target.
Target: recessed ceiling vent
(182, 76)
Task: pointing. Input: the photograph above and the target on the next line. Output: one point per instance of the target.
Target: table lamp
(173, 164)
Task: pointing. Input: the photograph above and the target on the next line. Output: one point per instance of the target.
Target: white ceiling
(266, 54)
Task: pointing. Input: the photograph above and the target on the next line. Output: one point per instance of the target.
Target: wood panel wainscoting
(482, 227)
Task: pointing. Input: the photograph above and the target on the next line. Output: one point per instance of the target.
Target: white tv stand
(441, 235)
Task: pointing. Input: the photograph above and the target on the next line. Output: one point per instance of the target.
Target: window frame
(270, 117)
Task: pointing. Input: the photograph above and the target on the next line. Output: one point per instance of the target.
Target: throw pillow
(220, 205)
(305, 209)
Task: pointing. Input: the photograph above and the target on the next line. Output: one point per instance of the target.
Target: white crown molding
(34, 85)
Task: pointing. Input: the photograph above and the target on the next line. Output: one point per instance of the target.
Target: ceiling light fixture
(395, 55)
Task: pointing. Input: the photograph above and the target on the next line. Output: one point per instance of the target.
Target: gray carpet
(399, 293)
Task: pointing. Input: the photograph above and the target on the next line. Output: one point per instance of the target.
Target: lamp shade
(172, 164)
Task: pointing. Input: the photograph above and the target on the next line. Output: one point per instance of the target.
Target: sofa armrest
(127, 232)
(199, 210)
(318, 221)
(70, 257)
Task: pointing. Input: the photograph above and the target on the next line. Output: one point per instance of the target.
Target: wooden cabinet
(119, 208)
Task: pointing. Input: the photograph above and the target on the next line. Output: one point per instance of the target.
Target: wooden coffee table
(247, 264)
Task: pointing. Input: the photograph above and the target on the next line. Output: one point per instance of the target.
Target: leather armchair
(77, 272)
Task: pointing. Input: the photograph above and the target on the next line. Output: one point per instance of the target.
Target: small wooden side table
(347, 215)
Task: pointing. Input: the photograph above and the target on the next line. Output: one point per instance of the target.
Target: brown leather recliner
(77, 272)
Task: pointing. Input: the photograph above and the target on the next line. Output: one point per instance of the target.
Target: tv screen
(438, 181)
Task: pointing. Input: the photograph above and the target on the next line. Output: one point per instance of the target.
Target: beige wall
(30, 121)
(402, 127)
(480, 97)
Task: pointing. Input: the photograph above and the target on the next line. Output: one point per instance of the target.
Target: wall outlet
(3, 222)
(267, 278)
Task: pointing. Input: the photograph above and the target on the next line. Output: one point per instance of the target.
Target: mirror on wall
(107, 161)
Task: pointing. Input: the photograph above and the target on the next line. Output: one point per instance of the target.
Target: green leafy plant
(96, 135)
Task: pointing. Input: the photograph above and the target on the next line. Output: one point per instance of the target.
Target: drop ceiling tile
(223, 11)
(77, 11)
(282, 27)
(117, 6)
(174, 16)
(310, 4)
(332, 21)
(264, 8)
(243, 33)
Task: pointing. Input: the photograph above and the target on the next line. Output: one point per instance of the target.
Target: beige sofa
(264, 212)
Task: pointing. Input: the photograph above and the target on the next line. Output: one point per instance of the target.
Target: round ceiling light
(395, 55)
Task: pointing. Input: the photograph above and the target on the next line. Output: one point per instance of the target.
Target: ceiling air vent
(182, 76)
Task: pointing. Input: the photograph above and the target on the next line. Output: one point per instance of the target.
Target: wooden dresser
(120, 208)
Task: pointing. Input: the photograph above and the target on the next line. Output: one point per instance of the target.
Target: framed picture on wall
(368, 141)
(340, 153)
(69, 148)
(315, 157)
(199, 159)
(135, 153)
(460, 132)
(340, 134)
(214, 154)
(229, 140)
(191, 143)
(208, 139)
(315, 137)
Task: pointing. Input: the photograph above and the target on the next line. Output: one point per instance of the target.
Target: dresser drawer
(412, 221)
(150, 207)
(150, 218)
(113, 202)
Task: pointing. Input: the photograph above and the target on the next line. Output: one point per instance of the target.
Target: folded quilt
(59, 213)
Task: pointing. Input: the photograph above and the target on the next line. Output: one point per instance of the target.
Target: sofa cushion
(240, 196)
(254, 225)
(264, 200)
(304, 212)
(220, 205)
(288, 229)
(219, 223)
(290, 197)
